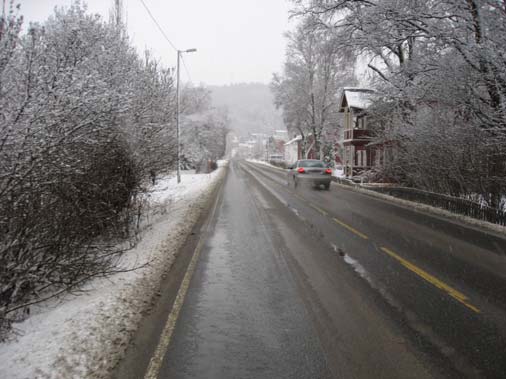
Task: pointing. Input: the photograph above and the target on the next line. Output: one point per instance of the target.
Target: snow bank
(84, 336)
(338, 172)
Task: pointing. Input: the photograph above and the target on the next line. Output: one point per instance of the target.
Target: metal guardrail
(453, 204)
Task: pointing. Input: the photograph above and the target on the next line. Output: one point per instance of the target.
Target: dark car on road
(310, 171)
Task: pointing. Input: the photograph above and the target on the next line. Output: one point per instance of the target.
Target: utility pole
(179, 52)
(177, 120)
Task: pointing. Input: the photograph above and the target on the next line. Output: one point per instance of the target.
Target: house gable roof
(296, 139)
(358, 98)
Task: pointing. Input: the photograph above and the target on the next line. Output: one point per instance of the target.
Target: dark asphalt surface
(242, 317)
(301, 283)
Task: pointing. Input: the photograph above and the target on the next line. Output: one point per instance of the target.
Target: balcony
(354, 134)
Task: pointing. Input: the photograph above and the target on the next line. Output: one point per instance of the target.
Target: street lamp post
(179, 52)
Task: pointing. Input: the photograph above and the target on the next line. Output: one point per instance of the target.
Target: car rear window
(311, 164)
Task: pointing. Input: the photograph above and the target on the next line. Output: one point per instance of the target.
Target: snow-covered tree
(315, 68)
(440, 66)
(203, 129)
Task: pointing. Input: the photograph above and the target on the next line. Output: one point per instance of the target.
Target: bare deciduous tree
(316, 66)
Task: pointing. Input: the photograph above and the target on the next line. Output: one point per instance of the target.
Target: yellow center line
(312, 205)
(459, 296)
(300, 198)
(351, 229)
(318, 209)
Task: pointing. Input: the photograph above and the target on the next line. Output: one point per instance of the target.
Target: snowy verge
(85, 336)
(338, 173)
(429, 209)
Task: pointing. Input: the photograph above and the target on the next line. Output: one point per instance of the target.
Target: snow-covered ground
(338, 172)
(84, 336)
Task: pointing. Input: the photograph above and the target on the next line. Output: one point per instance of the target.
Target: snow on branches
(84, 121)
(441, 69)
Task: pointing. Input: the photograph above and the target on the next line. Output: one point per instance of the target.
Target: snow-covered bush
(83, 120)
(204, 138)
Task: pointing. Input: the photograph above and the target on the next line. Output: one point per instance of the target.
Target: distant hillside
(250, 105)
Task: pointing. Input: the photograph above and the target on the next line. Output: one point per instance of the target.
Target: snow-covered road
(85, 335)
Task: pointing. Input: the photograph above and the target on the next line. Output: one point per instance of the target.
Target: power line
(186, 69)
(168, 40)
(158, 25)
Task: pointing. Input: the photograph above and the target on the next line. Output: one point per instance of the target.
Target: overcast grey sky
(237, 40)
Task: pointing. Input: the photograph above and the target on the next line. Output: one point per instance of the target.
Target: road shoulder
(146, 339)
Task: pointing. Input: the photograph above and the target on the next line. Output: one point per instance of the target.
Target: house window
(361, 158)
(349, 120)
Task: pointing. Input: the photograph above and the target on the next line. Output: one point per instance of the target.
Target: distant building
(281, 135)
(275, 145)
(293, 149)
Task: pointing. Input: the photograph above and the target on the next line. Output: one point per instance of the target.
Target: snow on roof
(298, 138)
(360, 98)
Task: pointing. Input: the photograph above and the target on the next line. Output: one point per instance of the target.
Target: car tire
(327, 186)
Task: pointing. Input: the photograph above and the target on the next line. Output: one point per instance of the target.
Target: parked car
(310, 171)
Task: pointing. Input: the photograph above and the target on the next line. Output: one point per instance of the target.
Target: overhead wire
(167, 38)
(158, 25)
(186, 69)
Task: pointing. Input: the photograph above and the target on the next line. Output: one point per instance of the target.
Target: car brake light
(301, 170)
(328, 171)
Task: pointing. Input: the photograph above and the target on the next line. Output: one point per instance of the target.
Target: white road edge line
(155, 363)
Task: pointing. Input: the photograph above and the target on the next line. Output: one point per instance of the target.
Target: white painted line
(155, 363)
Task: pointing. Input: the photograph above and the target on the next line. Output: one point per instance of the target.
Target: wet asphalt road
(242, 317)
(300, 283)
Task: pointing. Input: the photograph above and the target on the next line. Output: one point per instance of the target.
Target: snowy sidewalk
(84, 336)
